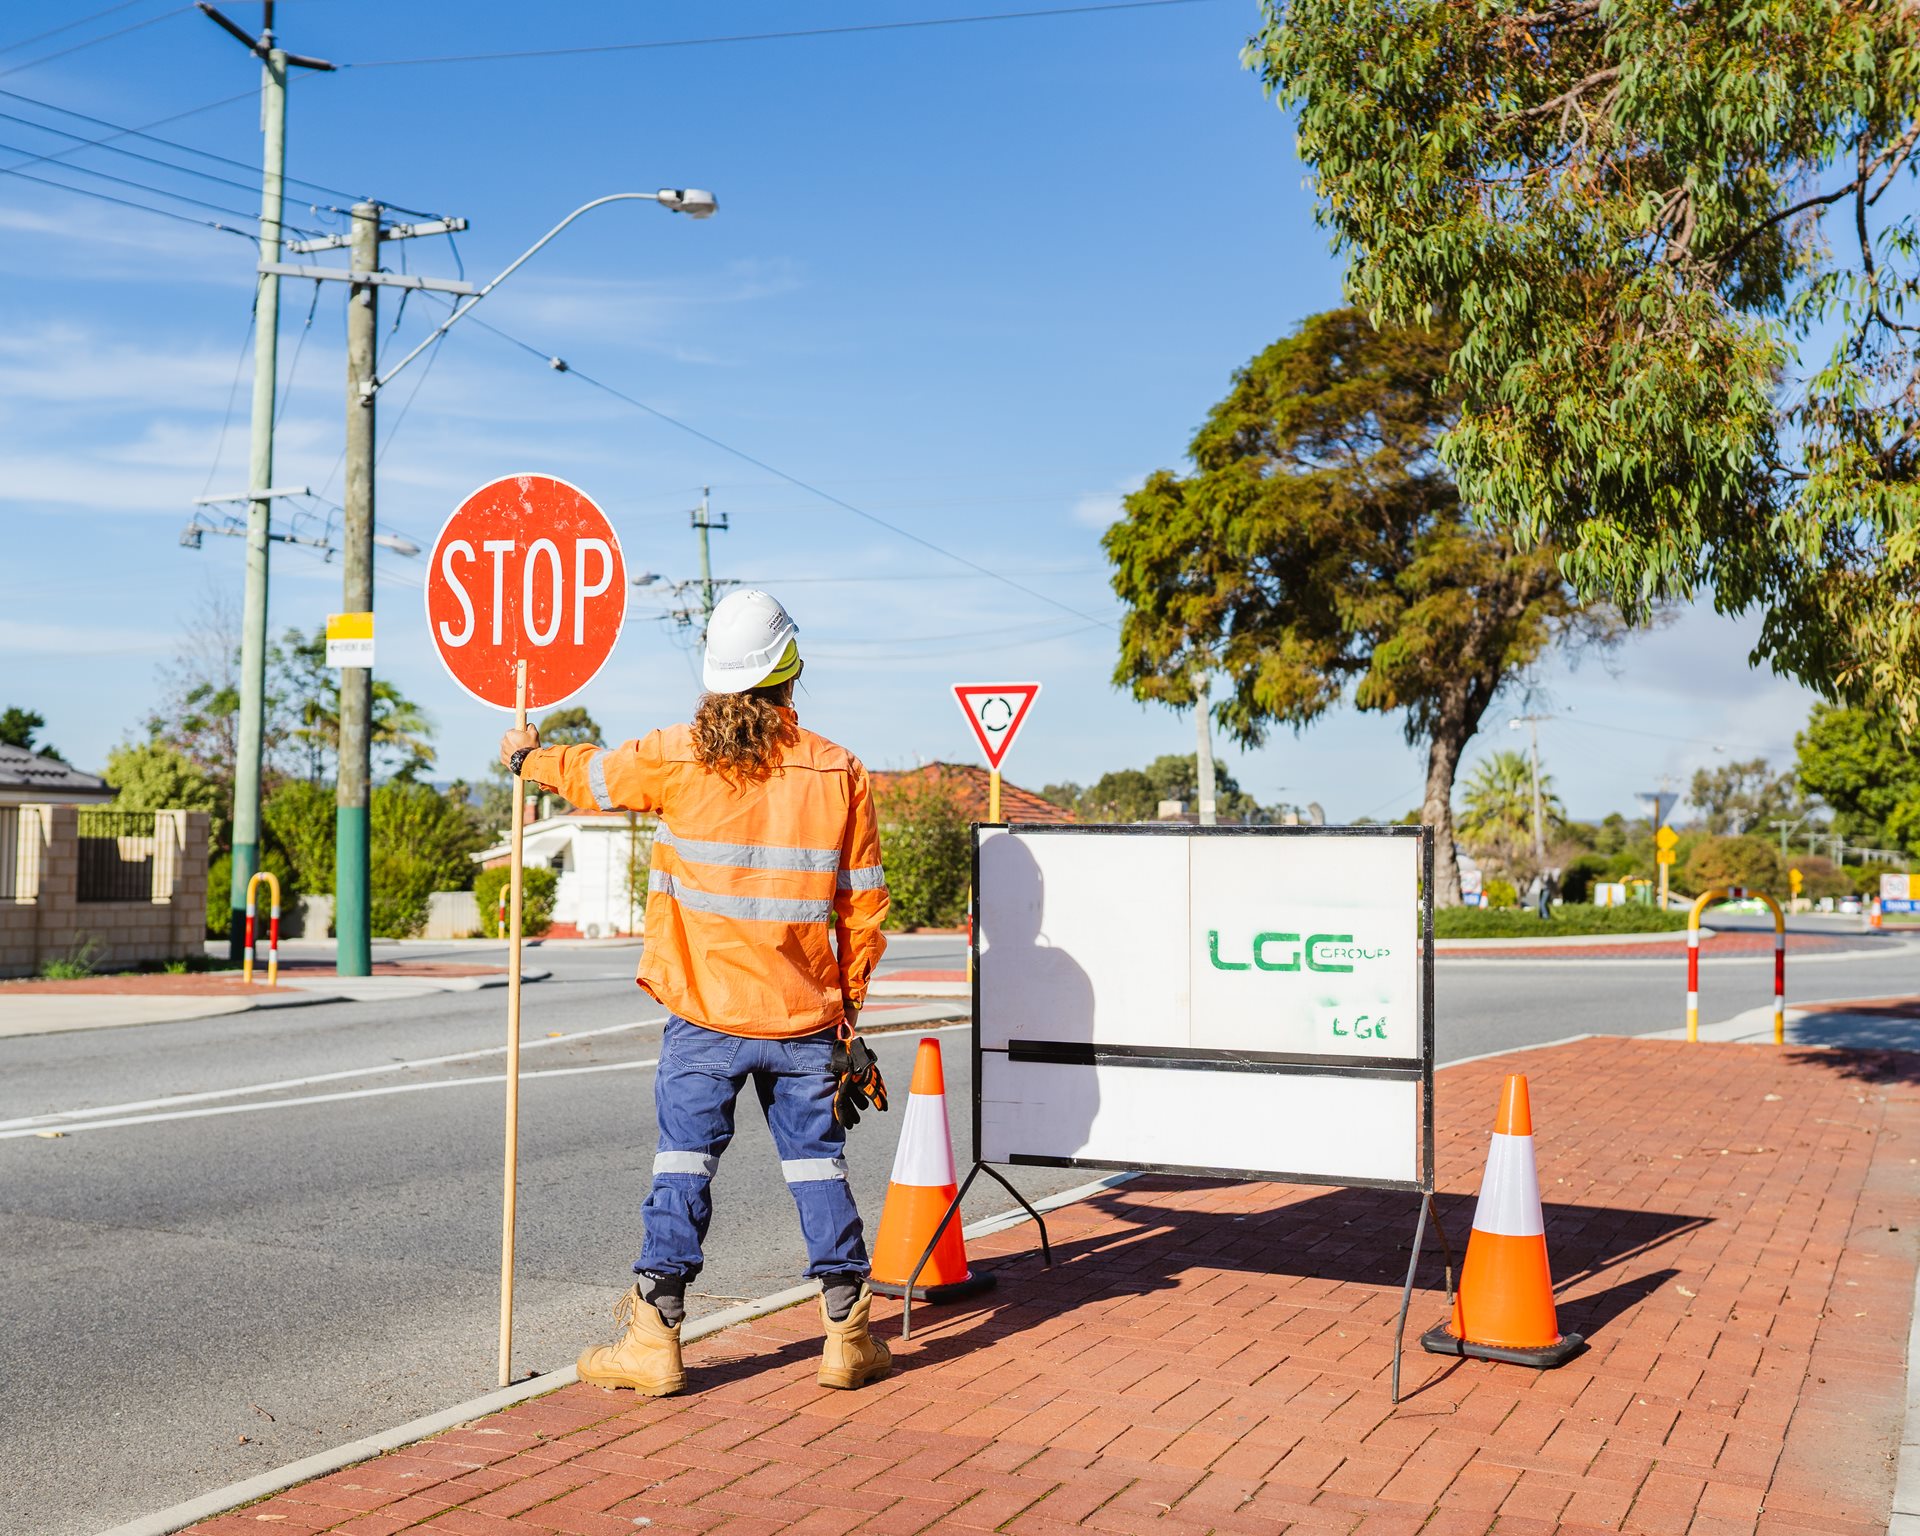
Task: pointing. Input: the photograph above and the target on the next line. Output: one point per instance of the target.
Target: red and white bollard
(273, 930)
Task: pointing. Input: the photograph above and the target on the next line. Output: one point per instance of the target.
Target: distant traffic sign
(996, 711)
(349, 639)
(527, 568)
(1665, 838)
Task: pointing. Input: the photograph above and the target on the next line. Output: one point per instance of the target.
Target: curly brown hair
(741, 736)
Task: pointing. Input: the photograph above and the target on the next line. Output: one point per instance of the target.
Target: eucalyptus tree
(1320, 551)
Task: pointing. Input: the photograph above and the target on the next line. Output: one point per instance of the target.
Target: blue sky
(976, 280)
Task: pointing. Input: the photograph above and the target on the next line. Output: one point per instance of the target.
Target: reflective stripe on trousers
(699, 1080)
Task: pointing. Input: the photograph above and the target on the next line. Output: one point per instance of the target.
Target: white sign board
(1896, 888)
(1241, 1001)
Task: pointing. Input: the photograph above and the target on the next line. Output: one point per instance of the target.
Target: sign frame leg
(510, 1180)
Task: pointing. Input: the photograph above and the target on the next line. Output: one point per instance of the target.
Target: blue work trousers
(700, 1075)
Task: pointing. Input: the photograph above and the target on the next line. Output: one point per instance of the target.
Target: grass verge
(1566, 922)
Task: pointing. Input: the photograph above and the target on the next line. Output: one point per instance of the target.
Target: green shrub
(1498, 893)
(299, 818)
(421, 842)
(1820, 877)
(1481, 923)
(1744, 861)
(219, 891)
(927, 851)
(538, 888)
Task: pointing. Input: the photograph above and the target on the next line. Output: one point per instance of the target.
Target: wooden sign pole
(510, 1187)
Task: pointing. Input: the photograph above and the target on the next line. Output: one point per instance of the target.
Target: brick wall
(45, 919)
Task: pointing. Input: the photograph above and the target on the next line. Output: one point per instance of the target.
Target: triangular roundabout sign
(996, 711)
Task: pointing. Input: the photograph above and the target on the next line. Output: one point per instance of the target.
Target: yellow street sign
(1664, 856)
(349, 639)
(1665, 838)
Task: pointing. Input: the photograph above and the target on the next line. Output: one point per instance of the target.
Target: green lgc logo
(1285, 952)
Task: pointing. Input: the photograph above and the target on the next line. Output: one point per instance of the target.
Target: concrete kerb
(1574, 940)
(1906, 1488)
(47, 1013)
(253, 1489)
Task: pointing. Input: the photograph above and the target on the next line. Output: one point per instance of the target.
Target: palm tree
(1497, 824)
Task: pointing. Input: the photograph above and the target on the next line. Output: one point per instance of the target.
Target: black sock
(667, 1294)
(841, 1293)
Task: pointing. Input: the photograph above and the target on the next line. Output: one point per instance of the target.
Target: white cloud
(1101, 509)
(24, 637)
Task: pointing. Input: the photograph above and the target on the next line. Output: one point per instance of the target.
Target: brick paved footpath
(1734, 1227)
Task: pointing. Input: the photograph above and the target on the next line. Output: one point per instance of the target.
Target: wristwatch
(514, 762)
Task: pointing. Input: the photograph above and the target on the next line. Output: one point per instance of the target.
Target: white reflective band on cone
(925, 1155)
(1509, 1202)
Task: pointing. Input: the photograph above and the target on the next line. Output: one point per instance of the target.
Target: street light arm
(463, 310)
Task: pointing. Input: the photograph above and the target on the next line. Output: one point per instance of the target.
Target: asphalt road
(270, 1265)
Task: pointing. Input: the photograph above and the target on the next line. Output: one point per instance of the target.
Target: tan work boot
(647, 1357)
(853, 1356)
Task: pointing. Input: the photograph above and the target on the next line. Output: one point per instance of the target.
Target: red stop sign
(527, 568)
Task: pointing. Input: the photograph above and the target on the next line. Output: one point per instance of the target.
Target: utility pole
(702, 522)
(352, 890)
(1783, 828)
(1203, 748)
(274, 63)
(1532, 722)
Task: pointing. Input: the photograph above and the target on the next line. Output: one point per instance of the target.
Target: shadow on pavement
(1868, 1028)
(1347, 1236)
(1900, 1065)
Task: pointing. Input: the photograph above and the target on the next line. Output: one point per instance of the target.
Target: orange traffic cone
(919, 1194)
(1504, 1307)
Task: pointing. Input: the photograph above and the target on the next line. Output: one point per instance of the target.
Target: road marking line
(72, 1127)
(67, 1116)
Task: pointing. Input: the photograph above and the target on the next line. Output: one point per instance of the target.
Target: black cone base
(1438, 1341)
(975, 1283)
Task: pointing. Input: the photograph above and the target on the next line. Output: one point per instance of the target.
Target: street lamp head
(398, 545)
(692, 201)
(645, 579)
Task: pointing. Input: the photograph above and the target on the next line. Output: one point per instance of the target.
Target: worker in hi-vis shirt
(764, 906)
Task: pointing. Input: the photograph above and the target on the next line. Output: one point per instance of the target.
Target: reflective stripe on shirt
(753, 909)
(597, 781)
(749, 855)
(872, 878)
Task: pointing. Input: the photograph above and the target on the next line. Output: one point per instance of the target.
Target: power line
(141, 186)
(787, 581)
(108, 197)
(81, 141)
(794, 480)
(65, 26)
(768, 37)
(120, 130)
(105, 37)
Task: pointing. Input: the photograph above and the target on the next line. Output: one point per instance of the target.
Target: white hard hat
(747, 639)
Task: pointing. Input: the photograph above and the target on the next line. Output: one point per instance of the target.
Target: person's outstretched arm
(630, 777)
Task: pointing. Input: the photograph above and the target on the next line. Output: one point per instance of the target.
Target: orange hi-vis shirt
(751, 883)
